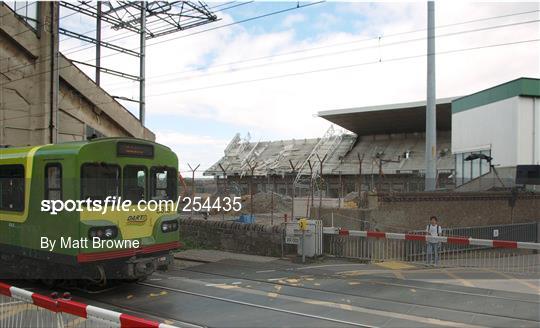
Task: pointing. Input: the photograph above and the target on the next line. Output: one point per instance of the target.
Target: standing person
(433, 229)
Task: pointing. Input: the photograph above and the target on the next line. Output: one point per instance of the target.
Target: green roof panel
(527, 87)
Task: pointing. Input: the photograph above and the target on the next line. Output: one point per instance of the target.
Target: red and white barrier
(441, 239)
(88, 312)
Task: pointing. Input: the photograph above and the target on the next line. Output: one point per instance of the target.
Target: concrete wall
(412, 211)
(27, 77)
(237, 237)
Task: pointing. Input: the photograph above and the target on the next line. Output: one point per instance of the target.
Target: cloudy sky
(271, 75)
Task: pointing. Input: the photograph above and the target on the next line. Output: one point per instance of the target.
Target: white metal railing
(498, 255)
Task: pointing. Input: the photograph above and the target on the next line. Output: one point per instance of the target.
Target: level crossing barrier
(20, 308)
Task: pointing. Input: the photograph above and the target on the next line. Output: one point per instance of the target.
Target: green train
(83, 243)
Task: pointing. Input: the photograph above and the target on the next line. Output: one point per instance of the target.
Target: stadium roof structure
(390, 135)
(401, 154)
(388, 119)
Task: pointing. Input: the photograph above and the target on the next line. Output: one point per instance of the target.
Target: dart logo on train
(126, 168)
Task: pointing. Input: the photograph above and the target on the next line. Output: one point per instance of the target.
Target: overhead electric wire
(453, 24)
(340, 67)
(222, 26)
(315, 48)
(149, 78)
(235, 70)
(339, 52)
(327, 69)
(351, 42)
(405, 41)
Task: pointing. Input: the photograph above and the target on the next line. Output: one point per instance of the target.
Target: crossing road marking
(275, 294)
(162, 293)
(454, 276)
(395, 265)
(399, 275)
(277, 279)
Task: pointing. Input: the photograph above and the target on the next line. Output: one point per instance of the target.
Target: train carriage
(118, 168)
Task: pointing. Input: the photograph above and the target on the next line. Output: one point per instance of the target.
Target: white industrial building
(503, 123)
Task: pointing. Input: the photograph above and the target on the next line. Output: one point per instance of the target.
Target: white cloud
(192, 149)
(174, 138)
(293, 19)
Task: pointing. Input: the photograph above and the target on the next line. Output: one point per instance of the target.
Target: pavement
(206, 255)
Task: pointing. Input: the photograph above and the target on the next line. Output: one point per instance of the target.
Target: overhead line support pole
(142, 66)
(98, 42)
(431, 114)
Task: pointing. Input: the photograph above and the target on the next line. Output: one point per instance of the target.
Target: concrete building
(502, 122)
(44, 98)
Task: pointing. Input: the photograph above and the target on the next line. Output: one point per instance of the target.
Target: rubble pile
(262, 203)
(351, 197)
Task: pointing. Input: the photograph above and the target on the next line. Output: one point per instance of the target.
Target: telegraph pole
(431, 114)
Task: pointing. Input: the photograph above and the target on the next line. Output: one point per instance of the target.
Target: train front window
(135, 183)
(12, 188)
(163, 181)
(53, 181)
(99, 181)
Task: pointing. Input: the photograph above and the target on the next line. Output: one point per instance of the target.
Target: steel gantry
(148, 19)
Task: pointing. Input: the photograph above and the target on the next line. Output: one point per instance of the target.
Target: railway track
(275, 309)
(377, 282)
(390, 302)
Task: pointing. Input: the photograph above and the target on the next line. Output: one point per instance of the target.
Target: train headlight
(109, 233)
(103, 232)
(169, 226)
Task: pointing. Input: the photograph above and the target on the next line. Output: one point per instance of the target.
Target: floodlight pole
(308, 210)
(252, 170)
(193, 184)
(226, 192)
(431, 114)
(321, 161)
(142, 66)
(293, 168)
(360, 160)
